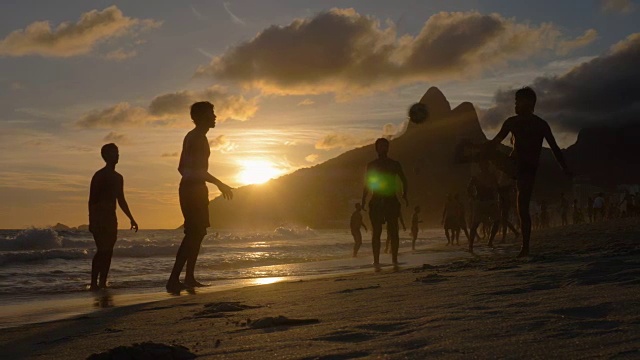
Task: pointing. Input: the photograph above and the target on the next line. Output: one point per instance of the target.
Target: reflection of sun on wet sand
(576, 298)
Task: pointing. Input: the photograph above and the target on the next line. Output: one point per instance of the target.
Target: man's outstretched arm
(405, 185)
(502, 134)
(122, 202)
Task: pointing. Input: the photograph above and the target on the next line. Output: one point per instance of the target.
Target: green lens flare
(381, 183)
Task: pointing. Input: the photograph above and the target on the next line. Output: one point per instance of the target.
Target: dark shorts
(105, 234)
(357, 235)
(384, 209)
(452, 222)
(194, 203)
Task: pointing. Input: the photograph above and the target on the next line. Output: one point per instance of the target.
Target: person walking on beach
(356, 224)
(528, 132)
(485, 205)
(598, 208)
(381, 181)
(450, 219)
(415, 220)
(462, 218)
(107, 188)
(194, 195)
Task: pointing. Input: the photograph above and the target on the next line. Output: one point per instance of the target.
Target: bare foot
(94, 287)
(174, 287)
(194, 284)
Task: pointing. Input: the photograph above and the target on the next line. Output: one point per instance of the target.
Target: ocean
(44, 274)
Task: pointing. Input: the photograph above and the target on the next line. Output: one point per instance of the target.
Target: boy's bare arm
(122, 202)
(557, 153)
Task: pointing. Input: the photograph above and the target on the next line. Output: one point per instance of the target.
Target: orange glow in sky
(257, 171)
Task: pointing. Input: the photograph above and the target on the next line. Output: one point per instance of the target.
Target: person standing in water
(194, 195)
(356, 224)
(381, 181)
(414, 226)
(107, 188)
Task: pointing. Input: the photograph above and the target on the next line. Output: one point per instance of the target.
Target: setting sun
(257, 171)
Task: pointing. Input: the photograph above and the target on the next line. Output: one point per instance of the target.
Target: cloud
(234, 18)
(306, 102)
(71, 39)
(341, 51)
(334, 141)
(312, 158)
(120, 54)
(618, 6)
(173, 154)
(115, 137)
(17, 86)
(603, 91)
(393, 131)
(222, 143)
(227, 106)
(585, 39)
(122, 114)
(165, 109)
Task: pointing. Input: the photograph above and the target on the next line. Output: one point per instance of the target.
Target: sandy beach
(576, 297)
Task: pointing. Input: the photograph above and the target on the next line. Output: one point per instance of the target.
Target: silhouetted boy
(381, 180)
(107, 187)
(356, 224)
(194, 195)
(528, 131)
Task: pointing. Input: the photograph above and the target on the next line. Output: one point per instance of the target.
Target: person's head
(525, 101)
(417, 209)
(110, 153)
(382, 146)
(358, 207)
(202, 114)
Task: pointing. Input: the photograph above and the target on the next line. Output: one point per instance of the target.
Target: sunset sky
(294, 84)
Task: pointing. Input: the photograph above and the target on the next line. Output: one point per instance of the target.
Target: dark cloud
(163, 109)
(344, 52)
(116, 138)
(222, 143)
(618, 6)
(603, 91)
(70, 39)
(335, 141)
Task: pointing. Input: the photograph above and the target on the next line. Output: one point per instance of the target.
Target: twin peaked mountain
(323, 196)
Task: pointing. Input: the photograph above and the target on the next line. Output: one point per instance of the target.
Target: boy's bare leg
(525, 190)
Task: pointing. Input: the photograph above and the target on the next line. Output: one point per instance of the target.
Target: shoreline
(575, 297)
(31, 310)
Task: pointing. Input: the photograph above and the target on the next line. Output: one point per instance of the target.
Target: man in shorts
(528, 132)
(107, 187)
(381, 181)
(194, 195)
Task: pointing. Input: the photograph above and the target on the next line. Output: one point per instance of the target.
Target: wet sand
(576, 297)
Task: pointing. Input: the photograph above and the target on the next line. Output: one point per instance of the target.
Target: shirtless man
(528, 131)
(194, 195)
(380, 181)
(107, 187)
(356, 224)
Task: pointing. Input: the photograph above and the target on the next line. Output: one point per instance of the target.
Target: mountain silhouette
(322, 196)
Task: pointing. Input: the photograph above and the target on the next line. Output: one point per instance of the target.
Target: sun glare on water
(257, 171)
